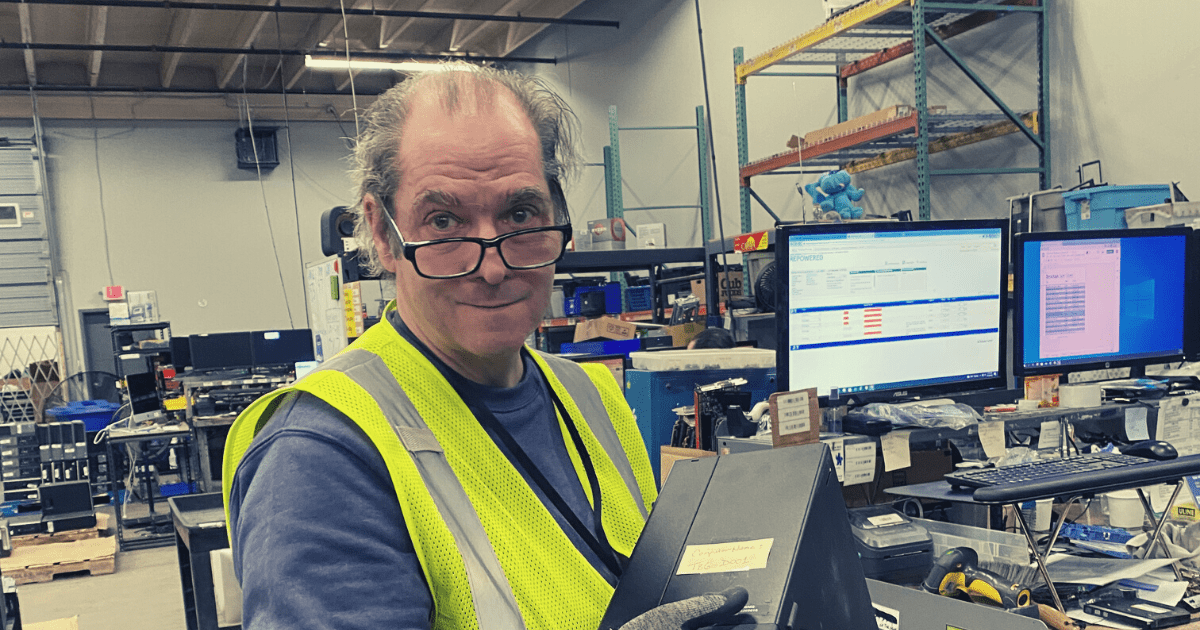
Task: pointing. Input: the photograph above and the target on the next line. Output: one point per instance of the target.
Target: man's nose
(492, 268)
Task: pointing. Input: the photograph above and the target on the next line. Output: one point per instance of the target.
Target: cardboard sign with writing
(604, 327)
(795, 418)
(731, 286)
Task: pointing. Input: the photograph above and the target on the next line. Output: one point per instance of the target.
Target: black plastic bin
(199, 528)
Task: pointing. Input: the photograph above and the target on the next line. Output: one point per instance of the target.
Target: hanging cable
(346, 41)
(712, 154)
(263, 189)
(287, 122)
(100, 185)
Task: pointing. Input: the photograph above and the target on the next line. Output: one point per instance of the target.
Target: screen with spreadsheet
(890, 310)
(1090, 300)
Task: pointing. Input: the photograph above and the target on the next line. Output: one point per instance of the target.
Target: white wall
(1122, 81)
(184, 221)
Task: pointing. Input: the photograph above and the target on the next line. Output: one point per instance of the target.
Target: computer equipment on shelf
(886, 311)
(1083, 474)
(1101, 299)
(144, 398)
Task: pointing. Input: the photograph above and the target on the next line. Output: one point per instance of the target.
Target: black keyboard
(1083, 474)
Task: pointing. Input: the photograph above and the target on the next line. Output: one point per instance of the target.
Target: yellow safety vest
(501, 561)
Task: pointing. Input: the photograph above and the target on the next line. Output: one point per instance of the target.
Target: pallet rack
(874, 33)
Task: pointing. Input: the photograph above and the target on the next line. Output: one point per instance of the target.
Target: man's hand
(695, 612)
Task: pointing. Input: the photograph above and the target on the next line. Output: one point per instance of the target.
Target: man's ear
(380, 230)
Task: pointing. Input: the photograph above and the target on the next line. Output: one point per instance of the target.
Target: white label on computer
(725, 557)
(860, 463)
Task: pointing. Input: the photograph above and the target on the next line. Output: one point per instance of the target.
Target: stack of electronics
(20, 460)
(266, 352)
(16, 406)
(64, 451)
(65, 505)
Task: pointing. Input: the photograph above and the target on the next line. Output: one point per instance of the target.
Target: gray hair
(375, 166)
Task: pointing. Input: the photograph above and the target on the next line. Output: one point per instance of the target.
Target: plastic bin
(639, 298)
(613, 346)
(95, 414)
(992, 545)
(704, 359)
(1103, 207)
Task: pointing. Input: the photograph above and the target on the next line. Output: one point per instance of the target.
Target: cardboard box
(652, 236)
(143, 307)
(681, 334)
(607, 234)
(604, 327)
(671, 454)
(731, 286)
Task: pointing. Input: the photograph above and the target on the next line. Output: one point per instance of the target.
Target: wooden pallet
(41, 563)
(70, 535)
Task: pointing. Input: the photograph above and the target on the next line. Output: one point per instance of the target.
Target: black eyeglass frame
(409, 250)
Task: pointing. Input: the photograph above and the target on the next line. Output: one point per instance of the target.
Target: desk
(943, 491)
(158, 523)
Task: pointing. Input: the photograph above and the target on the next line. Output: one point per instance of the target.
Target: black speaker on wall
(257, 149)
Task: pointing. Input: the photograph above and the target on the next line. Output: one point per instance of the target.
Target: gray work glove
(692, 613)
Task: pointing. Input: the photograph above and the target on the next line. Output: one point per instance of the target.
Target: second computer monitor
(281, 348)
(221, 351)
(1099, 299)
(886, 310)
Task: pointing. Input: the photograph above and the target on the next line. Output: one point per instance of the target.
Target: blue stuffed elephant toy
(833, 192)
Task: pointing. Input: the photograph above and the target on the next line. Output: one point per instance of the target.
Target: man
(437, 473)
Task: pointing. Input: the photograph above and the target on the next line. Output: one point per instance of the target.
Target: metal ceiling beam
(293, 68)
(247, 34)
(338, 28)
(509, 7)
(225, 6)
(294, 52)
(161, 90)
(27, 37)
(386, 39)
(98, 29)
(183, 24)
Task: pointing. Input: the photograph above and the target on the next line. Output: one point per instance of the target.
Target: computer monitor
(181, 353)
(891, 310)
(144, 401)
(1100, 299)
(221, 351)
(279, 348)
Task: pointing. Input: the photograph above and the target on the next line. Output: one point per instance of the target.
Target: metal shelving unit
(877, 32)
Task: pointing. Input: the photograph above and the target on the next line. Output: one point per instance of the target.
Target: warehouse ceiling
(148, 48)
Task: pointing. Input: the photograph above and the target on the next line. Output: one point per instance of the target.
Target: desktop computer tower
(773, 522)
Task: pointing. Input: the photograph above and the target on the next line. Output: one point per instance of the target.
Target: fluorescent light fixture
(325, 63)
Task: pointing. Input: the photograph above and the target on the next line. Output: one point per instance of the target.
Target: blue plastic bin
(96, 414)
(611, 346)
(1107, 204)
(639, 299)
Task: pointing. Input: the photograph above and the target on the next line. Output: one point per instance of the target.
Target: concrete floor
(144, 593)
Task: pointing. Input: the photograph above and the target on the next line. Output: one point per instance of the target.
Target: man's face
(475, 172)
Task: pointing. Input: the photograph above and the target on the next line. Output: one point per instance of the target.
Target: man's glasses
(461, 256)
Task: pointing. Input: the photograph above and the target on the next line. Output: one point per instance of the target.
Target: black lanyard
(598, 543)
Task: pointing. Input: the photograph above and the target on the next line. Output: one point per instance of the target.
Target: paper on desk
(1135, 424)
(895, 451)
(1079, 615)
(991, 435)
(1099, 571)
(1177, 424)
(1168, 593)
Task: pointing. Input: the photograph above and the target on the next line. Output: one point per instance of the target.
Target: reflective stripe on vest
(495, 605)
(583, 391)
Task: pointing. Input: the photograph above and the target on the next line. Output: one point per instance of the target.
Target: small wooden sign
(795, 417)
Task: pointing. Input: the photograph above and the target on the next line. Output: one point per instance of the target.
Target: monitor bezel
(783, 306)
(1018, 313)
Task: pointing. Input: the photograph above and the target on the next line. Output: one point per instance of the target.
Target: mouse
(1151, 449)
